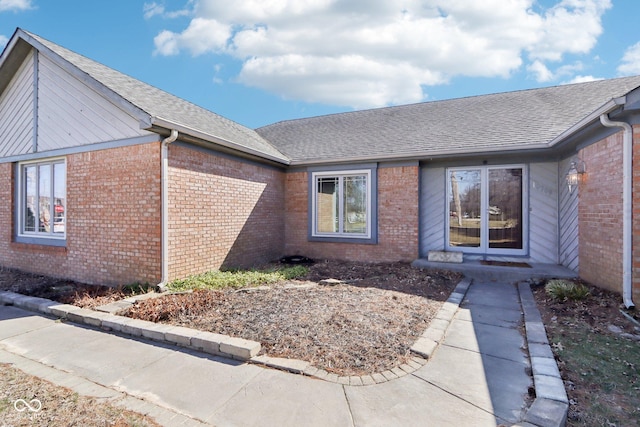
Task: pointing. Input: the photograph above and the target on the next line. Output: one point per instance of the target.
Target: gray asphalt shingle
(502, 121)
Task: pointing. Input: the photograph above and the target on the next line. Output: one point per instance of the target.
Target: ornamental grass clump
(565, 290)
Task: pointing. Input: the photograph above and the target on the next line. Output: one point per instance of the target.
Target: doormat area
(506, 264)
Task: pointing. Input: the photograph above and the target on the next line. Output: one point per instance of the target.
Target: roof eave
(594, 116)
(213, 139)
(430, 155)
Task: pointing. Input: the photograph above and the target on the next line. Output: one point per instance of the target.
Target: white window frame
(341, 175)
(484, 206)
(22, 203)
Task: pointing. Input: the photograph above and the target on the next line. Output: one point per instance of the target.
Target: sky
(258, 62)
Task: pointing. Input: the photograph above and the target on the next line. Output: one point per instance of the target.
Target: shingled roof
(489, 123)
(161, 107)
(503, 122)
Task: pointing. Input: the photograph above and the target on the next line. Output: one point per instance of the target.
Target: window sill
(338, 239)
(41, 241)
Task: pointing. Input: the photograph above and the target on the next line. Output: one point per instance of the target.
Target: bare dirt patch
(51, 405)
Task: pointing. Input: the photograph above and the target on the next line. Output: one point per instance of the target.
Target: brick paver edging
(551, 406)
(423, 349)
(238, 348)
(208, 342)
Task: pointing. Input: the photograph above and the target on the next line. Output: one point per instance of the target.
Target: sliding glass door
(486, 208)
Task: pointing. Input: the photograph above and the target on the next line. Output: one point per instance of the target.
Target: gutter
(164, 201)
(627, 177)
(603, 110)
(186, 130)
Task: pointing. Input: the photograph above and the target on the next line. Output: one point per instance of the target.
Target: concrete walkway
(480, 374)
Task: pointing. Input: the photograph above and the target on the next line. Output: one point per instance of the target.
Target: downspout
(164, 200)
(627, 178)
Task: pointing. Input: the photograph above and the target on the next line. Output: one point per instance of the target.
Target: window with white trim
(42, 199)
(341, 204)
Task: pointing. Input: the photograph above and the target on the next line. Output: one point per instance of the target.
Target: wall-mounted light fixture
(574, 175)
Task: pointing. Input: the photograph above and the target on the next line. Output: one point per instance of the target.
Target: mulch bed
(60, 290)
(364, 325)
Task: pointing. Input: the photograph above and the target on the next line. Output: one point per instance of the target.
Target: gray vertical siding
(568, 221)
(71, 114)
(543, 212)
(544, 216)
(67, 113)
(16, 103)
(432, 209)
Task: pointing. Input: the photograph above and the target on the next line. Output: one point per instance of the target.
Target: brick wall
(600, 214)
(397, 220)
(222, 212)
(113, 220)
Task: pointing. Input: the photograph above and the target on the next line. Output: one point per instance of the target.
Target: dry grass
(55, 405)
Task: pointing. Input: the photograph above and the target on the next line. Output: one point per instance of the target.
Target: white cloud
(202, 36)
(543, 74)
(15, 5)
(166, 43)
(540, 71)
(630, 61)
(582, 79)
(572, 26)
(3, 42)
(152, 9)
(157, 9)
(377, 52)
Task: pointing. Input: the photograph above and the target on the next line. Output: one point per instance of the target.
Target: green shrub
(218, 279)
(136, 288)
(565, 290)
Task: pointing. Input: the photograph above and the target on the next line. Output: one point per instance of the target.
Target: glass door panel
(486, 210)
(465, 208)
(505, 208)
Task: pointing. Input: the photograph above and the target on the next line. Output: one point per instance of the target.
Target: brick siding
(222, 212)
(397, 220)
(113, 220)
(600, 214)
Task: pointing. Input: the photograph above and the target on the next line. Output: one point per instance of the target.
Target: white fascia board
(186, 130)
(9, 47)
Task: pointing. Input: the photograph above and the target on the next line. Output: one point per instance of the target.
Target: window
(42, 199)
(341, 204)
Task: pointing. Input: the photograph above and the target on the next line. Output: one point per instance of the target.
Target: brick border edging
(207, 342)
(238, 348)
(423, 348)
(551, 406)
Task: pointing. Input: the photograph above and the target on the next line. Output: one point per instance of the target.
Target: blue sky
(261, 61)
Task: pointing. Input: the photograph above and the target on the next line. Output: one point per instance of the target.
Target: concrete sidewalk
(480, 374)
